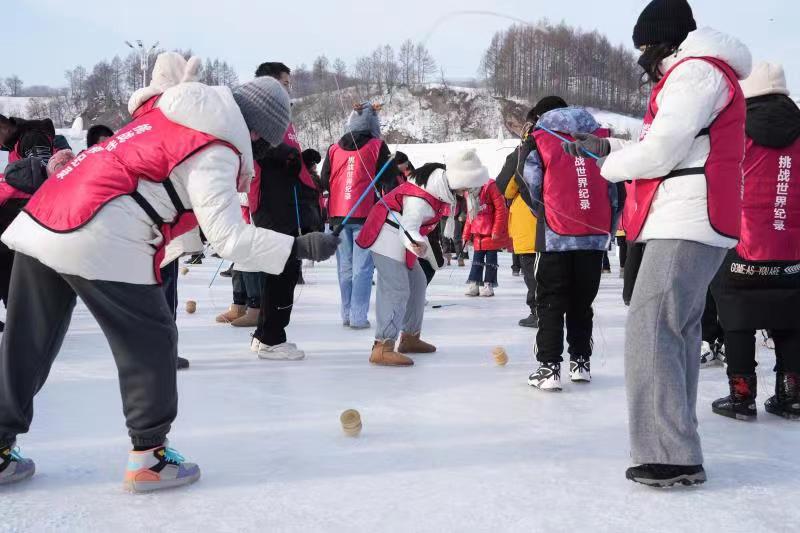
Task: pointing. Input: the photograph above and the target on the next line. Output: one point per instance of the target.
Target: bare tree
(407, 63)
(14, 85)
(426, 65)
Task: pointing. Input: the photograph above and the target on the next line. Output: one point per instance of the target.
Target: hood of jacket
(352, 141)
(569, 120)
(773, 120)
(708, 42)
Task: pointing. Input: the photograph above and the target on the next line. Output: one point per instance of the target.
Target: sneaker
(531, 322)
(14, 467)
(159, 468)
(255, 344)
(579, 370)
(547, 377)
(767, 340)
(472, 289)
(183, 363)
(719, 352)
(708, 357)
(363, 325)
(741, 403)
(281, 352)
(515, 273)
(658, 475)
(487, 291)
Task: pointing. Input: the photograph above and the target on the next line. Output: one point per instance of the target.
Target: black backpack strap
(173, 196)
(145, 205)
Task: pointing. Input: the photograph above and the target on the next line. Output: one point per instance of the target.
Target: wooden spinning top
(351, 423)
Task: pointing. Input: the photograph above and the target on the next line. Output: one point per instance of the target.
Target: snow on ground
(452, 444)
(492, 152)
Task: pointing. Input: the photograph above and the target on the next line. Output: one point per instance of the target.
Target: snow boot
(383, 354)
(159, 468)
(531, 322)
(413, 344)
(248, 320)
(448, 259)
(658, 475)
(579, 370)
(286, 351)
(487, 291)
(786, 402)
(547, 377)
(741, 404)
(182, 364)
(14, 467)
(461, 262)
(233, 312)
(708, 356)
(472, 289)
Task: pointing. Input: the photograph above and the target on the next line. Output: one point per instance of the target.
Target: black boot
(741, 404)
(227, 273)
(183, 364)
(786, 402)
(531, 322)
(658, 475)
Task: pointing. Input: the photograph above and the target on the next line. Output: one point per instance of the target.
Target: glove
(587, 142)
(315, 246)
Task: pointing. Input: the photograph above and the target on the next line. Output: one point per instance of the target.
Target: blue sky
(42, 38)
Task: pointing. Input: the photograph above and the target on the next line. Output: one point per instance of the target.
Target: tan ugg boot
(234, 312)
(248, 320)
(383, 354)
(413, 344)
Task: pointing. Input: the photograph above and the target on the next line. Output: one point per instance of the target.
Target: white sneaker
(472, 289)
(547, 377)
(487, 291)
(255, 345)
(708, 357)
(281, 352)
(579, 370)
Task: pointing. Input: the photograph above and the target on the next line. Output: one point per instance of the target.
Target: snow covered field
(452, 444)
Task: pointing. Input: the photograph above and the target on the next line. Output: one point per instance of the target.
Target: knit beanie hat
(465, 170)
(364, 119)
(766, 78)
(548, 103)
(664, 21)
(266, 108)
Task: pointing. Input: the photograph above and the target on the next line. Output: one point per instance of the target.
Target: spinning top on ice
(191, 306)
(351, 423)
(184, 271)
(500, 355)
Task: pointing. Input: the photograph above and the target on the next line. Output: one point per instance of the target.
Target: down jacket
(488, 231)
(117, 244)
(521, 222)
(694, 94)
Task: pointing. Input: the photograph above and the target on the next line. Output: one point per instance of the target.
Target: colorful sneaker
(157, 469)
(14, 467)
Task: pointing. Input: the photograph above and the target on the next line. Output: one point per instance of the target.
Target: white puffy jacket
(116, 244)
(392, 242)
(694, 94)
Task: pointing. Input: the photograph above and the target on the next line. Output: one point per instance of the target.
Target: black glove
(26, 175)
(586, 142)
(315, 246)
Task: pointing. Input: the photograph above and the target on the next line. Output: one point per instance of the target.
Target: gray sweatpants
(400, 301)
(662, 350)
(135, 319)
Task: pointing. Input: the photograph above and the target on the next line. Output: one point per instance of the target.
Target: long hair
(423, 173)
(651, 59)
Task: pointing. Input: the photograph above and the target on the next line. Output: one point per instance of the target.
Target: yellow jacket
(521, 222)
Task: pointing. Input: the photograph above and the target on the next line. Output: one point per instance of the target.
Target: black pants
(428, 270)
(632, 263)
(740, 348)
(515, 263)
(169, 284)
(277, 300)
(712, 329)
(606, 262)
(527, 263)
(137, 323)
(566, 284)
(622, 244)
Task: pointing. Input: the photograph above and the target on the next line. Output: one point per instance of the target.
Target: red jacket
(489, 230)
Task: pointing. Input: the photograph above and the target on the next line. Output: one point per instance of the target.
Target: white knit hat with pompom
(465, 170)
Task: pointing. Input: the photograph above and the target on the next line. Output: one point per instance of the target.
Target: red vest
(379, 215)
(351, 174)
(723, 169)
(254, 194)
(771, 204)
(148, 148)
(291, 139)
(576, 200)
(7, 192)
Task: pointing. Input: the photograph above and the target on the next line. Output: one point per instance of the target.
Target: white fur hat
(766, 78)
(465, 170)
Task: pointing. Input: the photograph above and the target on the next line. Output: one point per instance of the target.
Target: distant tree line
(584, 68)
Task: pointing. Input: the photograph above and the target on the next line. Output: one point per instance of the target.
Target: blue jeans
(479, 260)
(355, 276)
(247, 288)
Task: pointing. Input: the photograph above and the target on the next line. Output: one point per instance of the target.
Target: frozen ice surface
(455, 443)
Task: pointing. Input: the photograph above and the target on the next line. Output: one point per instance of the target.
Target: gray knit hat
(266, 108)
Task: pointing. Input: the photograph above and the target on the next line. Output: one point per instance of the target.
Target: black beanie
(548, 103)
(664, 21)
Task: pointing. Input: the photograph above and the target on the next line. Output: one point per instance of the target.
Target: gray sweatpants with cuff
(662, 350)
(135, 319)
(400, 300)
